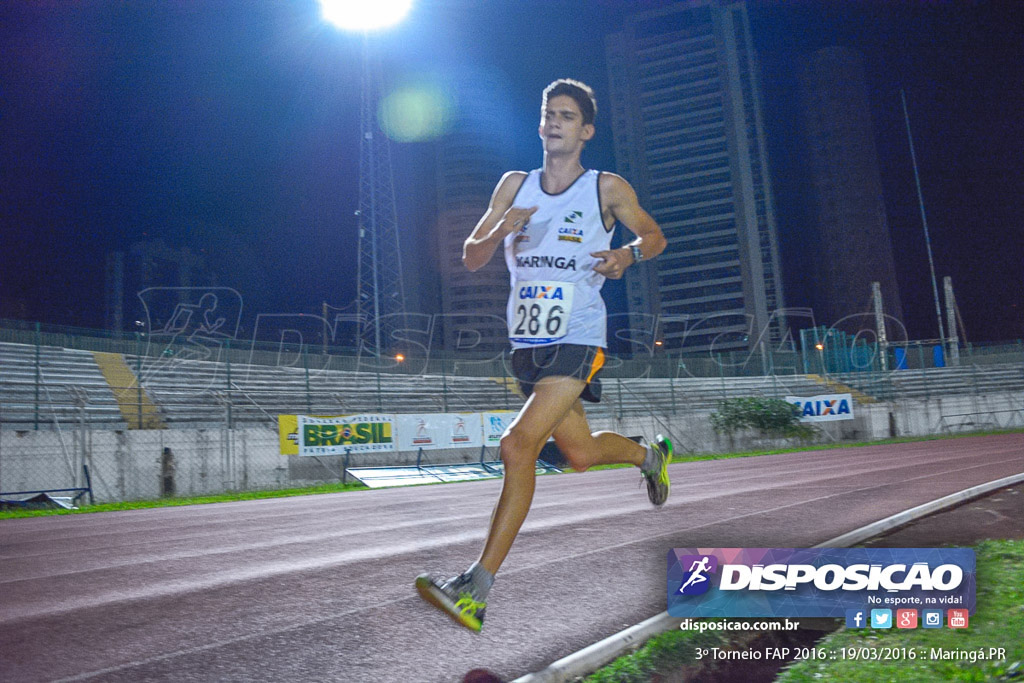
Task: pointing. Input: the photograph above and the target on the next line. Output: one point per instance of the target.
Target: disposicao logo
(696, 580)
(827, 582)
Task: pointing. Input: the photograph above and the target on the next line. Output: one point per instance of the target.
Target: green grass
(851, 444)
(335, 488)
(821, 447)
(194, 500)
(998, 622)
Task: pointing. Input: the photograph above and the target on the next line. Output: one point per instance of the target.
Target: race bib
(540, 312)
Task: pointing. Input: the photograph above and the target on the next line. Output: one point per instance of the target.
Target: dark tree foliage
(769, 416)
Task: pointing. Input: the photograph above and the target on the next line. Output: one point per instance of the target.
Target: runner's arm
(499, 220)
(619, 203)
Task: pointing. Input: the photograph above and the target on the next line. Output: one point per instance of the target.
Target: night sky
(231, 127)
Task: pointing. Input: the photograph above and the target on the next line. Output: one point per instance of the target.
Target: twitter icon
(881, 618)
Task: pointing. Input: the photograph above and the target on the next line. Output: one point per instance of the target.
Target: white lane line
(629, 636)
(595, 656)
(722, 520)
(175, 586)
(226, 642)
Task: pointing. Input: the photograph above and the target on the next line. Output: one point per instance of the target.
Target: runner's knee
(518, 448)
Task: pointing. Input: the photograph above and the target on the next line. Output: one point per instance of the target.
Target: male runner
(555, 224)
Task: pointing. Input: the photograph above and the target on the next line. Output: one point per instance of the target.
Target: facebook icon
(855, 618)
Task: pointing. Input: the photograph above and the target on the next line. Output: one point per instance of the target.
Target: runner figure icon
(697, 570)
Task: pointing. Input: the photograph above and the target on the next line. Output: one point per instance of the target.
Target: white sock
(482, 581)
(650, 461)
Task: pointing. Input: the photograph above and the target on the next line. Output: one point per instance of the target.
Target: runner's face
(561, 126)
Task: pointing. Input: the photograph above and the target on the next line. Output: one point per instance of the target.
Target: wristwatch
(638, 255)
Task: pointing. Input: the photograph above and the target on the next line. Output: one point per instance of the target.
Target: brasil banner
(336, 435)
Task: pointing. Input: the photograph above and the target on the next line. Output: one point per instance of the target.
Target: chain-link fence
(143, 464)
(148, 419)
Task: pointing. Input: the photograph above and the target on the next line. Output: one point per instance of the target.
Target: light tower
(380, 294)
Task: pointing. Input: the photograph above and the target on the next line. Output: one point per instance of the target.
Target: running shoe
(657, 479)
(454, 598)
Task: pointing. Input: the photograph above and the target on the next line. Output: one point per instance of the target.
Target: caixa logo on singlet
(570, 234)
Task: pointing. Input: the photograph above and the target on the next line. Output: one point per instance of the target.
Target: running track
(319, 588)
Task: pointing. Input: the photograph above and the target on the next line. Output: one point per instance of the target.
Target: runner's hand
(515, 219)
(615, 262)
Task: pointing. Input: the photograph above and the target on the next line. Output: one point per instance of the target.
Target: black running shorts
(530, 365)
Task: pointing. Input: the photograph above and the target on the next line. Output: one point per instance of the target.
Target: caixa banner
(823, 408)
(816, 582)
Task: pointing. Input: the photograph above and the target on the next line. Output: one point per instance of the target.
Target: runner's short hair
(577, 90)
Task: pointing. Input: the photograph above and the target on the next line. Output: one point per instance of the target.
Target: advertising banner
(823, 408)
(820, 582)
(438, 430)
(288, 434)
(495, 424)
(335, 435)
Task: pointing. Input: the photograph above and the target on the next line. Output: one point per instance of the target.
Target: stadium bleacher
(187, 392)
(70, 387)
(936, 382)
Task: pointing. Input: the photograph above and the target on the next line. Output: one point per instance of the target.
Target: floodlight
(415, 113)
(353, 15)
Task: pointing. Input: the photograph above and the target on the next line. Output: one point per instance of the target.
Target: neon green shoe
(454, 599)
(657, 479)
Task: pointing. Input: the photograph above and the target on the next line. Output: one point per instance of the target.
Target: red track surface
(319, 588)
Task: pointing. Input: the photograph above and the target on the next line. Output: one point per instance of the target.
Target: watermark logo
(882, 584)
(696, 580)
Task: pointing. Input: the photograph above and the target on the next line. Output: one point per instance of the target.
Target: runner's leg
(583, 449)
(551, 400)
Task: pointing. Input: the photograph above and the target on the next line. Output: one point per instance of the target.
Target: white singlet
(556, 295)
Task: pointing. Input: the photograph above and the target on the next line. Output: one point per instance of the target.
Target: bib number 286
(540, 312)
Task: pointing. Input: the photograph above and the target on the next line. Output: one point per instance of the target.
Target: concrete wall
(126, 465)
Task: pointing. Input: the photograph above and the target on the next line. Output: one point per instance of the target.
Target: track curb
(593, 657)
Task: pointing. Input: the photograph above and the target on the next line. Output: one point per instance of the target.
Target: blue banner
(817, 582)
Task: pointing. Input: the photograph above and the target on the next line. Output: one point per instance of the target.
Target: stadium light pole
(924, 222)
(379, 263)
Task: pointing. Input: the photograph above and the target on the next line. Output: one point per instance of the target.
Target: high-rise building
(851, 245)
(471, 160)
(157, 278)
(689, 136)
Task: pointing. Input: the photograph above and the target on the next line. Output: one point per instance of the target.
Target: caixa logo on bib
(550, 292)
(816, 582)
